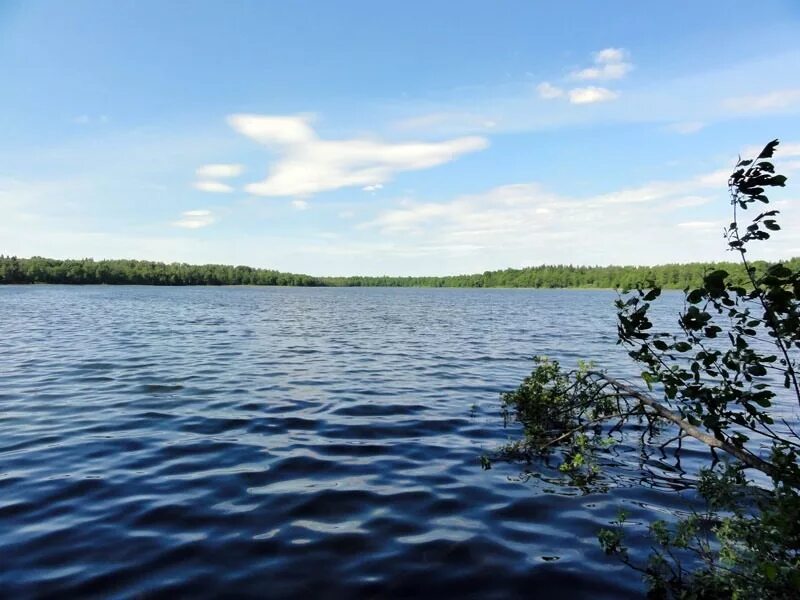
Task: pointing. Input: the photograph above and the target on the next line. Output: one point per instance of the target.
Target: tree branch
(748, 458)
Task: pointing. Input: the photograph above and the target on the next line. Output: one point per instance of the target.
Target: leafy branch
(713, 378)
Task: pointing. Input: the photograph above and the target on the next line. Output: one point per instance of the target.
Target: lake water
(297, 442)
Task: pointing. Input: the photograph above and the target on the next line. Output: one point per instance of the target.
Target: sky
(407, 138)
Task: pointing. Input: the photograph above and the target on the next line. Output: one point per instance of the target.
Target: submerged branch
(746, 457)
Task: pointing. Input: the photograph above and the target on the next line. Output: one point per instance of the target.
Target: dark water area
(291, 442)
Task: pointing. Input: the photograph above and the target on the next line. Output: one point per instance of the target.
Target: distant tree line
(140, 272)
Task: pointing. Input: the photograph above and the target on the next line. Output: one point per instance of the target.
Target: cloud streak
(307, 164)
(219, 171)
(195, 219)
(214, 187)
(523, 224)
(768, 102)
(548, 91)
(609, 63)
(591, 95)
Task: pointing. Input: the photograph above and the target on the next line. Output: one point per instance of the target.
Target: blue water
(290, 442)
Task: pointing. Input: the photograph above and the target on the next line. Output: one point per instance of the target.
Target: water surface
(294, 442)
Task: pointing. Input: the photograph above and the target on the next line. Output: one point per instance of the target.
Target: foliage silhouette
(724, 377)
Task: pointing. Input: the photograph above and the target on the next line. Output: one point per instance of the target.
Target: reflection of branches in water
(656, 465)
(588, 432)
(581, 411)
(644, 453)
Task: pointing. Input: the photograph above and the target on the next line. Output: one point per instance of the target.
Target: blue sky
(390, 138)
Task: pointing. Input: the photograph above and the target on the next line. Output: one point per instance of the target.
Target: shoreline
(328, 287)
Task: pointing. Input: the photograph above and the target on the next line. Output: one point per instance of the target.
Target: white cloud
(373, 188)
(219, 171)
(499, 228)
(771, 101)
(610, 55)
(274, 130)
(609, 63)
(666, 97)
(308, 164)
(591, 95)
(215, 187)
(300, 204)
(513, 203)
(685, 127)
(195, 219)
(701, 225)
(548, 91)
(523, 224)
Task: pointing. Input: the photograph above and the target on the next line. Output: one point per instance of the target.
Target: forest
(139, 272)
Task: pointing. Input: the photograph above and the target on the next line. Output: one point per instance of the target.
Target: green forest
(139, 272)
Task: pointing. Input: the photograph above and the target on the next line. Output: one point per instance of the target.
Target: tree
(719, 377)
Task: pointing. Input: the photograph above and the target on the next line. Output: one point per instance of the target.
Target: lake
(299, 442)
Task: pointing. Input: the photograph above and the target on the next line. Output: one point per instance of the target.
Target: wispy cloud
(373, 188)
(215, 187)
(548, 91)
(219, 171)
(630, 225)
(609, 63)
(194, 219)
(522, 207)
(771, 101)
(658, 98)
(591, 95)
(300, 204)
(702, 225)
(308, 164)
(208, 174)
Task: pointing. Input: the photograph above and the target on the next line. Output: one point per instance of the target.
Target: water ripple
(293, 442)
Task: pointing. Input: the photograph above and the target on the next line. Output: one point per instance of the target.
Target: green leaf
(718, 274)
(652, 294)
(695, 296)
(779, 270)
